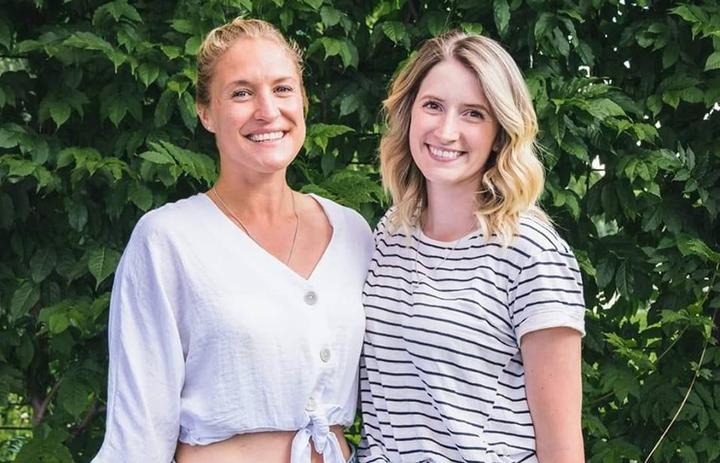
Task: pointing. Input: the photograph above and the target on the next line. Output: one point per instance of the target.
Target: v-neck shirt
(211, 336)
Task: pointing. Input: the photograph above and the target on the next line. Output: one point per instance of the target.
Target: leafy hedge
(97, 126)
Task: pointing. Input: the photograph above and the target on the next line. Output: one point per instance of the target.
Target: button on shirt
(211, 336)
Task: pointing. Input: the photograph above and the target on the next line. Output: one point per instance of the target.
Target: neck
(450, 213)
(266, 198)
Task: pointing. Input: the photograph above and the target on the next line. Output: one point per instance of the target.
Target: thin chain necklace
(417, 276)
(237, 220)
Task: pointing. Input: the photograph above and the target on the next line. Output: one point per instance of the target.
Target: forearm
(554, 388)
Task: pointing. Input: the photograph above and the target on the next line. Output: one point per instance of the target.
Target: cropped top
(210, 336)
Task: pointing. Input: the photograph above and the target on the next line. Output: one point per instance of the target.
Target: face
(256, 108)
(452, 127)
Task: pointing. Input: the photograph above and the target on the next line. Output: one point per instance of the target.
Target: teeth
(444, 154)
(258, 137)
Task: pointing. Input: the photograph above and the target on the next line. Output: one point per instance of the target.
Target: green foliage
(97, 126)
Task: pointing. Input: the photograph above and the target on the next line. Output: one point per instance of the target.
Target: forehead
(255, 59)
(451, 79)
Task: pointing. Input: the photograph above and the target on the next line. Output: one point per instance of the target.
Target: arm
(146, 370)
(554, 391)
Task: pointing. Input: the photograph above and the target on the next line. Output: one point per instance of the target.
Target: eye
(284, 89)
(432, 105)
(475, 114)
(240, 93)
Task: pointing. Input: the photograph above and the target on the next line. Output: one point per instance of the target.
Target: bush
(98, 126)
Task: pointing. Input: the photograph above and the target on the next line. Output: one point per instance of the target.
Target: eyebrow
(481, 107)
(248, 83)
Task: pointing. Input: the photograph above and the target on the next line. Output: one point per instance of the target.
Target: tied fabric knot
(317, 433)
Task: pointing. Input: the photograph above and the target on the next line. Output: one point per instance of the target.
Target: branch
(695, 376)
(39, 409)
(16, 428)
(91, 413)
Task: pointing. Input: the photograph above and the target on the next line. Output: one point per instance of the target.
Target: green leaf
(247, 4)
(23, 299)
(320, 134)
(5, 35)
(605, 272)
(330, 16)
(59, 111)
(158, 157)
(48, 449)
(141, 196)
(544, 24)
(688, 245)
(501, 13)
(165, 108)
(713, 61)
(74, 396)
(183, 26)
(604, 107)
(9, 135)
(624, 280)
(315, 4)
(42, 264)
(77, 214)
(349, 104)
(171, 51)
(148, 73)
(192, 45)
(395, 31)
(186, 105)
(472, 28)
(437, 23)
(102, 262)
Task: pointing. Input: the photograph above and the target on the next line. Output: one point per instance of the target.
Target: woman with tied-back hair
(474, 304)
(236, 317)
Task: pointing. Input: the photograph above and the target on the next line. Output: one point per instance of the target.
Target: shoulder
(536, 236)
(161, 224)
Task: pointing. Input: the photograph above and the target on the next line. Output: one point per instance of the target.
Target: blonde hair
(221, 38)
(513, 177)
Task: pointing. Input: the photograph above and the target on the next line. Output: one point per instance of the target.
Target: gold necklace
(418, 277)
(237, 220)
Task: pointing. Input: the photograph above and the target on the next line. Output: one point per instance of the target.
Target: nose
(266, 108)
(447, 131)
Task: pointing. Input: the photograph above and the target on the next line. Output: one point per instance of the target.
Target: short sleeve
(548, 293)
(146, 364)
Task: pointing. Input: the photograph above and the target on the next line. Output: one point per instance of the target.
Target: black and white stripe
(442, 378)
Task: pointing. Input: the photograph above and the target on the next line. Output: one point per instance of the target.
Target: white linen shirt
(210, 336)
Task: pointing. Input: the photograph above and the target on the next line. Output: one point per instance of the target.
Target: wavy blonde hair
(513, 177)
(223, 37)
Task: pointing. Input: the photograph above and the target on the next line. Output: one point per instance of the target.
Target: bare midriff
(267, 447)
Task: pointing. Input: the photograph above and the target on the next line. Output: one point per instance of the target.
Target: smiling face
(256, 108)
(452, 127)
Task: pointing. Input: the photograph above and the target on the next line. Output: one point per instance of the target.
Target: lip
(443, 155)
(265, 137)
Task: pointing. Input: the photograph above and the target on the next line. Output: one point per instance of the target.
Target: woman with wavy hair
(474, 304)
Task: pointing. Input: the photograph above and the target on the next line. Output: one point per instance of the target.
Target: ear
(205, 117)
(499, 142)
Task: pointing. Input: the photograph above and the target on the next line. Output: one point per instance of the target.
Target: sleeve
(146, 365)
(548, 294)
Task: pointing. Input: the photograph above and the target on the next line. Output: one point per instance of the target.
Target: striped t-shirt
(442, 378)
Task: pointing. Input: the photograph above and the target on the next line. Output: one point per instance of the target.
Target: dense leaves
(97, 126)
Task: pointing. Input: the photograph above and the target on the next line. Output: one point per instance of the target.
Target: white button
(310, 297)
(325, 354)
(310, 405)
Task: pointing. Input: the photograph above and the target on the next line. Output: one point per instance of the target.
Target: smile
(267, 136)
(444, 155)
